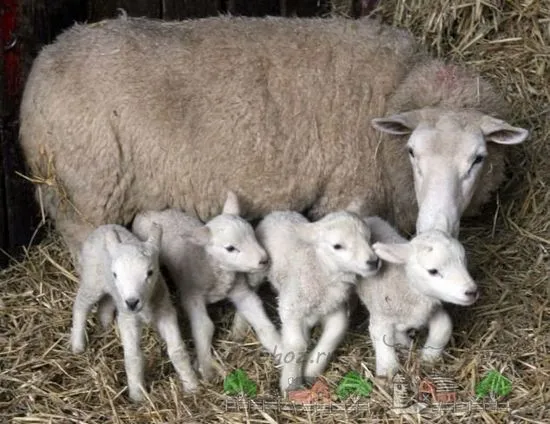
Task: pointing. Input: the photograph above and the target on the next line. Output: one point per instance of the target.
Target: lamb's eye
(114, 275)
(433, 271)
(149, 273)
(478, 160)
(411, 152)
(338, 246)
(230, 248)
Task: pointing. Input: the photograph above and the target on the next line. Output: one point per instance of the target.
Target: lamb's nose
(132, 303)
(473, 293)
(264, 261)
(373, 263)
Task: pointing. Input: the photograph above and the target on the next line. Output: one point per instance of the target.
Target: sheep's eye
(411, 152)
(114, 275)
(149, 273)
(338, 246)
(433, 271)
(478, 160)
(230, 248)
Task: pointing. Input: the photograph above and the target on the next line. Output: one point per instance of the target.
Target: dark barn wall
(40, 21)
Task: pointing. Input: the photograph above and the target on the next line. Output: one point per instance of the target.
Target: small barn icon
(437, 389)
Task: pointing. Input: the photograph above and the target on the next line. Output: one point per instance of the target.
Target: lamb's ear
(499, 131)
(199, 236)
(231, 206)
(155, 235)
(307, 232)
(397, 253)
(399, 124)
(112, 239)
(356, 206)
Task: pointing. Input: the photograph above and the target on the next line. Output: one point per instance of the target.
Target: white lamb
(313, 268)
(116, 264)
(207, 262)
(408, 291)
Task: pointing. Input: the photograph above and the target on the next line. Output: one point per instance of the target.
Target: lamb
(313, 268)
(115, 264)
(301, 114)
(409, 290)
(207, 262)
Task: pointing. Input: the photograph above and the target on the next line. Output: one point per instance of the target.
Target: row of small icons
(408, 397)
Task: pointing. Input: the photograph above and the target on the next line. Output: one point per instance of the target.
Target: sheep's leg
(335, 326)
(402, 339)
(240, 325)
(203, 331)
(440, 328)
(250, 307)
(383, 338)
(85, 299)
(130, 333)
(167, 325)
(294, 341)
(106, 309)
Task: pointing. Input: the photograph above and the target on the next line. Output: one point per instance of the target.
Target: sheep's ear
(399, 124)
(155, 235)
(231, 206)
(356, 206)
(112, 239)
(499, 131)
(307, 232)
(199, 236)
(397, 253)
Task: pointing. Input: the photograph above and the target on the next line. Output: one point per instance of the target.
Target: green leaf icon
(494, 383)
(353, 384)
(238, 383)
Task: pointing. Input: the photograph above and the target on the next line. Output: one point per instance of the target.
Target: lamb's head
(230, 240)
(435, 264)
(134, 267)
(447, 150)
(342, 242)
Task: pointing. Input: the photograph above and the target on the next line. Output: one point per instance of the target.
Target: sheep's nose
(264, 261)
(472, 293)
(373, 263)
(132, 303)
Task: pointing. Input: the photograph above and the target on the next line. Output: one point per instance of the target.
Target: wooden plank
(103, 9)
(254, 8)
(181, 9)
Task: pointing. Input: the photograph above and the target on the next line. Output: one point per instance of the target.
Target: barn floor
(508, 330)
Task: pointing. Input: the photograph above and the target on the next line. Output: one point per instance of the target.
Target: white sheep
(207, 262)
(408, 291)
(313, 268)
(115, 264)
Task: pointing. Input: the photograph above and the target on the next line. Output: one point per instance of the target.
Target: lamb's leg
(335, 326)
(167, 325)
(250, 307)
(130, 333)
(294, 341)
(402, 339)
(240, 325)
(382, 336)
(87, 295)
(106, 309)
(440, 328)
(202, 328)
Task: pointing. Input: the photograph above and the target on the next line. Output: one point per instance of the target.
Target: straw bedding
(508, 248)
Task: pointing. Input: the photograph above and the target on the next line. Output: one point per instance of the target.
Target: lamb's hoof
(78, 346)
(190, 385)
(136, 395)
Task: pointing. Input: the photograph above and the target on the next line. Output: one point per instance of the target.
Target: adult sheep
(132, 114)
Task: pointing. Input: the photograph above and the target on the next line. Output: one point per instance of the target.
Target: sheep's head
(447, 150)
(134, 268)
(231, 241)
(435, 264)
(342, 241)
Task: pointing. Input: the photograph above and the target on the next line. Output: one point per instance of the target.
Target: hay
(508, 246)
